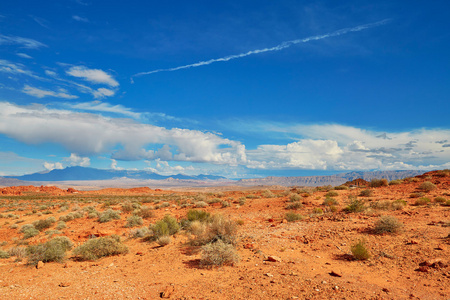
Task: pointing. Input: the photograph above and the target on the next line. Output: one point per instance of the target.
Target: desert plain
(289, 242)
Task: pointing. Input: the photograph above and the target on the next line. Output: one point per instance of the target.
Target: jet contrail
(279, 47)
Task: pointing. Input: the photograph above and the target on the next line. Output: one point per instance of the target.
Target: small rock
(335, 273)
(423, 269)
(64, 284)
(168, 292)
(284, 221)
(385, 290)
(40, 265)
(441, 247)
(434, 263)
(273, 258)
(336, 288)
(268, 275)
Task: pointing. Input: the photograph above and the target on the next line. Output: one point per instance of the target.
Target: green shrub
(355, 205)
(317, 210)
(167, 226)
(139, 232)
(330, 201)
(198, 215)
(422, 201)
(4, 254)
(292, 216)
(332, 194)
(225, 204)
(43, 224)
(218, 254)
(109, 215)
(387, 224)
(133, 221)
(61, 225)
(378, 182)
(53, 250)
(94, 249)
(360, 251)
(366, 193)
(71, 216)
(440, 199)
(427, 186)
(29, 231)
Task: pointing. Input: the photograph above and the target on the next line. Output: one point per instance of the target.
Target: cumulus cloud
(39, 93)
(88, 134)
(53, 166)
(76, 160)
(114, 165)
(96, 76)
(21, 41)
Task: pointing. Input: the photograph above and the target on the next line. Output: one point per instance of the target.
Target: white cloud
(104, 107)
(52, 166)
(87, 134)
(93, 75)
(114, 165)
(102, 93)
(35, 92)
(21, 41)
(23, 55)
(80, 19)
(13, 68)
(76, 160)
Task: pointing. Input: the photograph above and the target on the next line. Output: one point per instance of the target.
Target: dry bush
(292, 216)
(294, 205)
(219, 228)
(139, 232)
(164, 240)
(378, 182)
(341, 187)
(200, 204)
(268, 194)
(198, 215)
(387, 224)
(355, 205)
(366, 193)
(109, 215)
(396, 182)
(218, 254)
(416, 195)
(427, 186)
(167, 226)
(53, 250)
(330, 201)
(44, 224)
(19, 252)
(4, 254)
(422, 201)
(332, 194)
(440, 199)
(146, 212)
(389, 205)
(133, 221)
(294, 197)
(360, 251)
(94, 249)
(29, 231)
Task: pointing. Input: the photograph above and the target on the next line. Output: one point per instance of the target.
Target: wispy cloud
(80, 19)
(23, 55)
(279, 47)
(16, 69)
(104, 107)
(44, 23)
(39, 93)
(21, 41)
(92, 75)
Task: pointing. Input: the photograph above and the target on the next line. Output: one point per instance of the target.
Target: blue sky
(238, 89)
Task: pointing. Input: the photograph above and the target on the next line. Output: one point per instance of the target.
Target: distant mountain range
(333, 180)
(83, 173)
(72, 175)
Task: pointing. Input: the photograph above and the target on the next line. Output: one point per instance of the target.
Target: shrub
(378, 182)
(218, 254)
(4, 254)
(360, 251)
(225, 204)
(242, 201)
(399, 204)
(53, 250)
(29, 231)
(317, 210)
(341, 187)
(146, 212)
(427, 186)
(355, 205)
(164, 240)
(332, 194)
(127, 207)
(109, 215)
(366, 193)
(43, 224)
(440, 199)
(61, 225)
(198, 215)
(220, 228)
(292, 216)
(133, 221)
(422, 201)
(94, 249)
(330, 201)
(71, 216)
(294, 197)
(294, 205)
(268, 194)
(139, 232)
(387, 224)
(416, 195)
(200, 204)
(396, 182)
(167, 226)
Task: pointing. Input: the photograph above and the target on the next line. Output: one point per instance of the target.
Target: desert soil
(312, 256)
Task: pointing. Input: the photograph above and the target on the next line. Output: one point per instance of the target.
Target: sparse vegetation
(360, 251)
(330, 201)
(332, 194)
(427, 186)
(96, 248)
(198, 215)
(4, 254)
(355, 205)
(133, 221)
(218, 253)
(109, 215)
(378, 182)
(44, 224)
(294, 205)
(422, 201)
(268, 194)
(396, 182)
(219, 228)
(292, 216)
(165, 227)
(366, 193)
(416, 195)
(53, 250)
(440, 199)
(387, 224)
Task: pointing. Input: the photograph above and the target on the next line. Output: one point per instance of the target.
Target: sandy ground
(315, 261)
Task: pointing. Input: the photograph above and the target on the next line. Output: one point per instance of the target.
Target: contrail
(279, 47)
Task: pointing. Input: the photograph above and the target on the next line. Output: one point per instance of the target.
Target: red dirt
(316, 262)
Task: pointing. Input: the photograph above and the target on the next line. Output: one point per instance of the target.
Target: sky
(239, 89)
